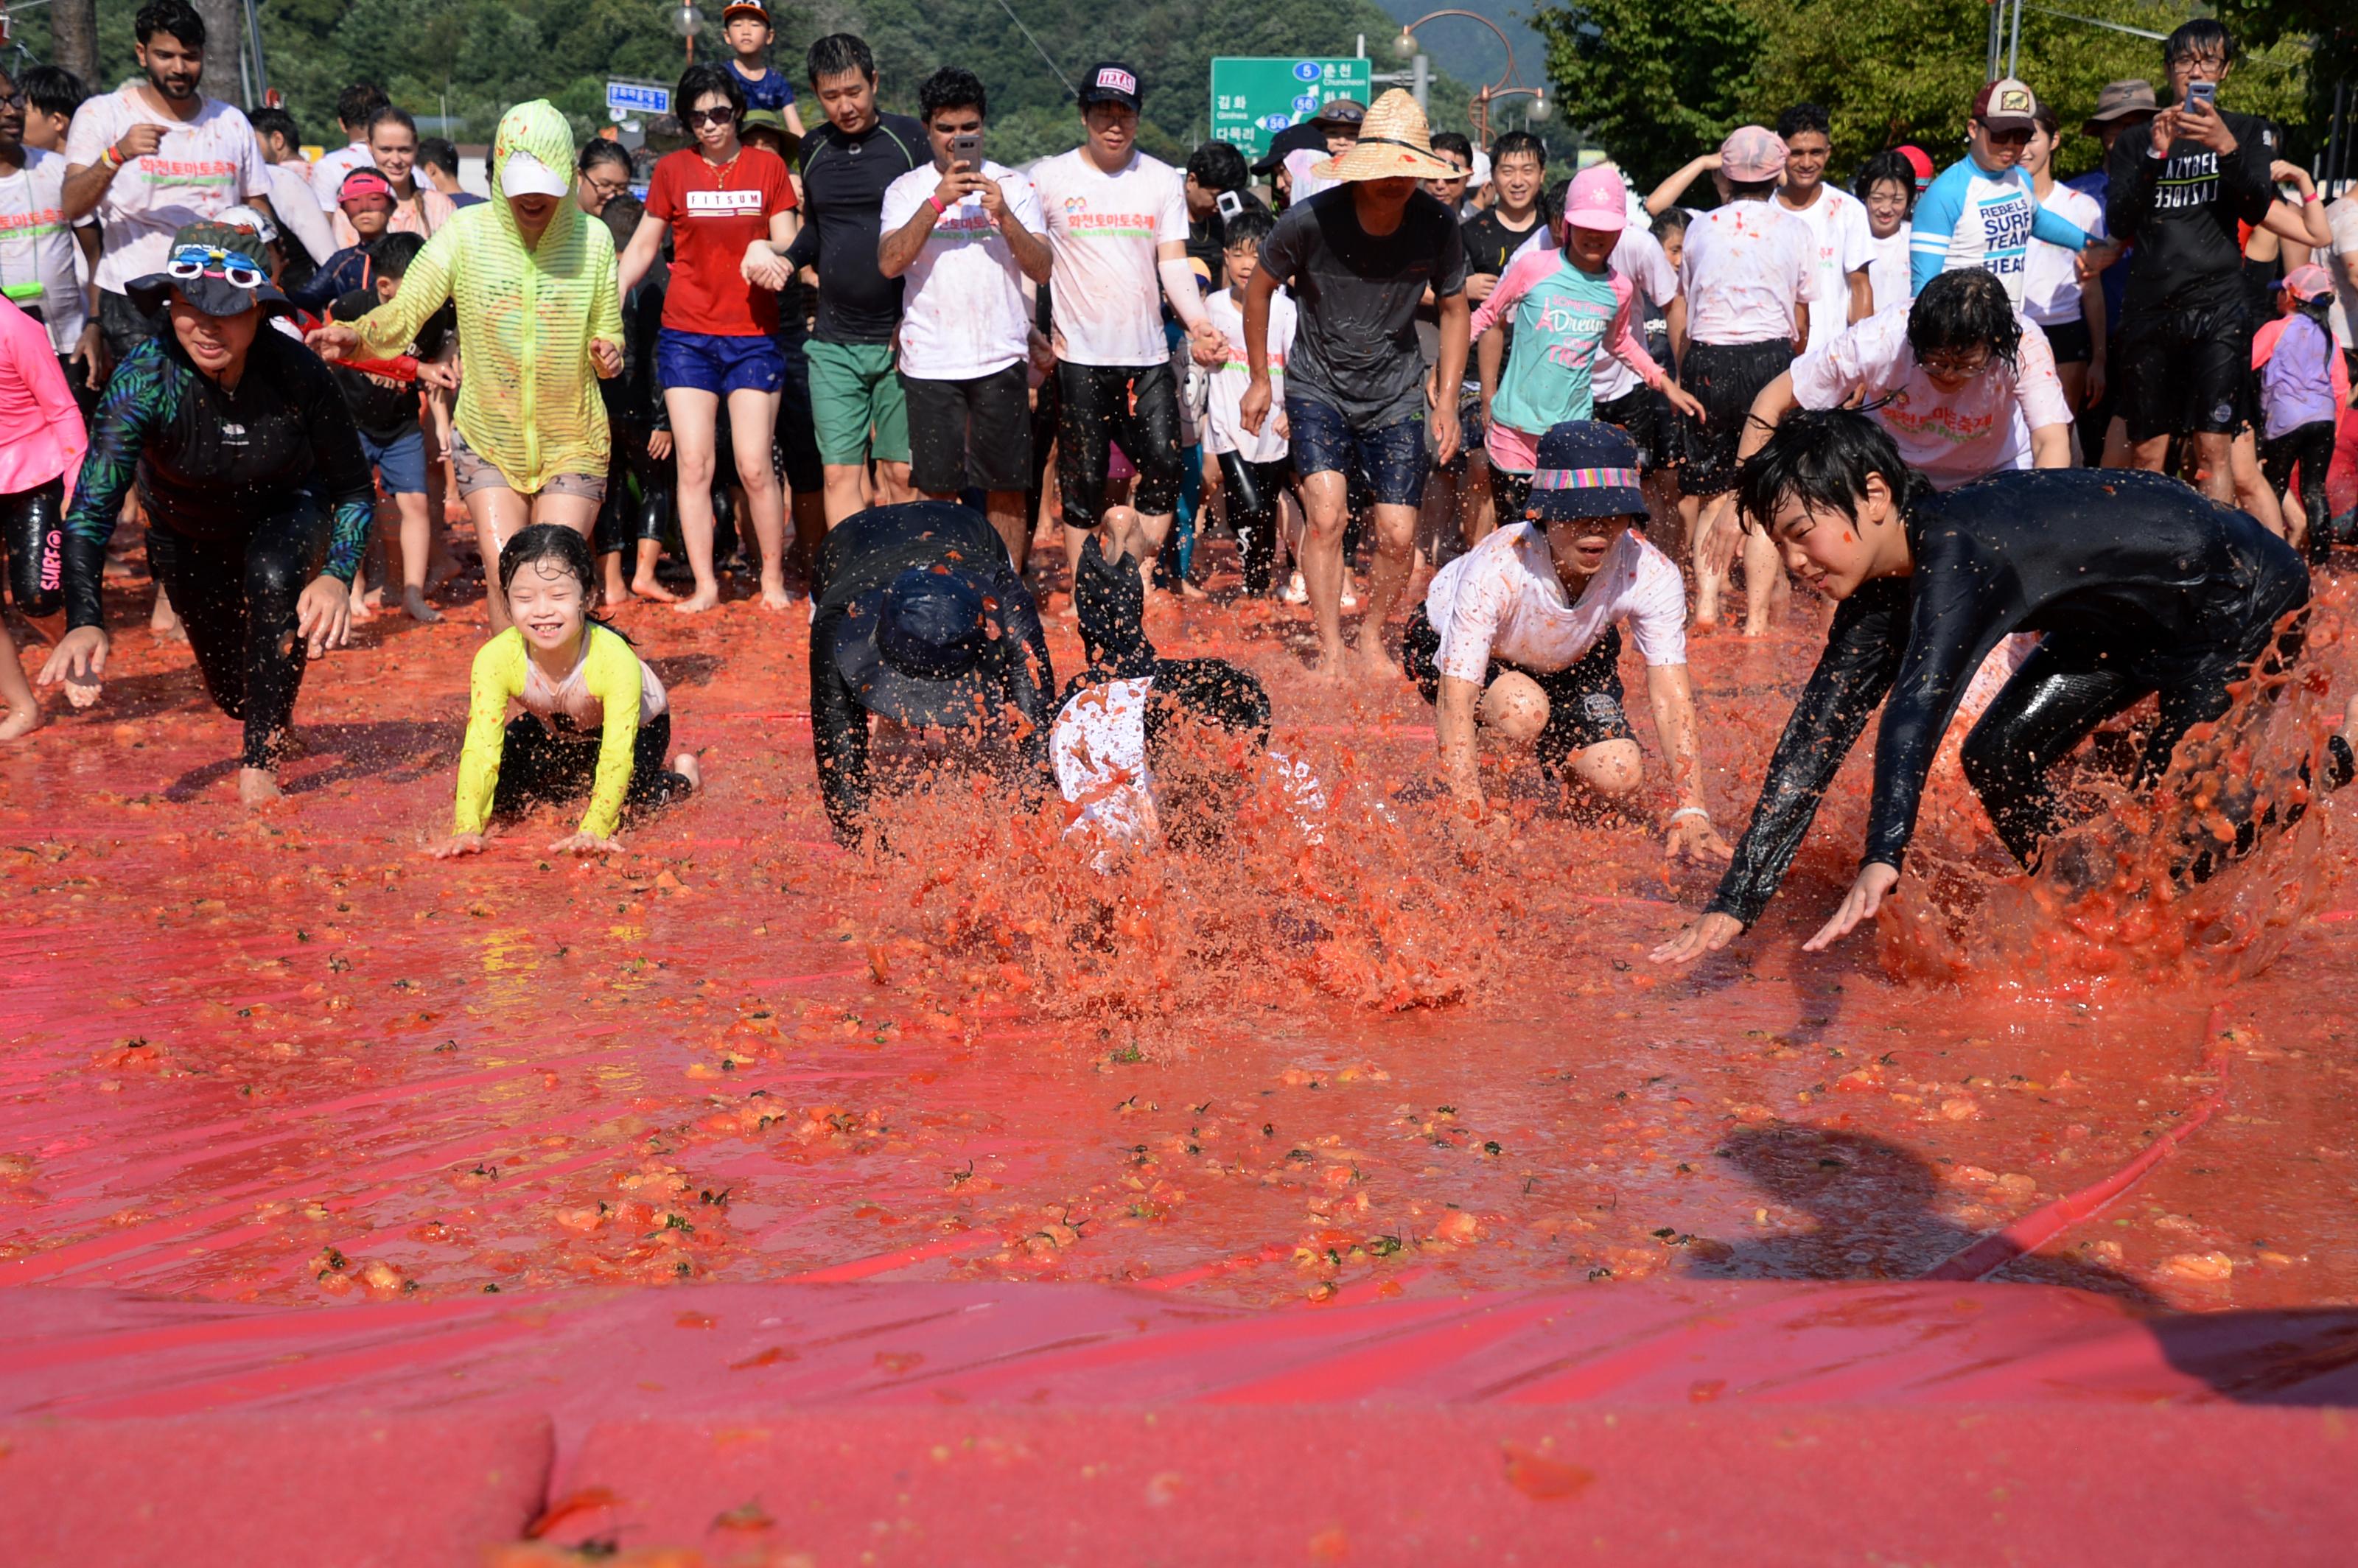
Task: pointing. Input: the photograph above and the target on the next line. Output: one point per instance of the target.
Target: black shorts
(537, 765)
(2069, 342)
(976, 432)
(797, 436)
(2182, 371)
(1136, 405)
(1725, 378)
(1637, 411)
(1584, 699)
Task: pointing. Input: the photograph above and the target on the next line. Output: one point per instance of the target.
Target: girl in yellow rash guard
(595, 720)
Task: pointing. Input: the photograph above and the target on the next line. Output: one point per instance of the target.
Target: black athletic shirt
(844, 178)
(210, 464)
(2138, 560)
(867, 551)
(1491, 245)
(2181, 213)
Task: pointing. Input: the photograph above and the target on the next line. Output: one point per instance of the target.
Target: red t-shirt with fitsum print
(716, 210)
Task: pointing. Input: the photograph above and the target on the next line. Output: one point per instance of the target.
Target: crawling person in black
(257, 495)
(919, 619)
(2141, 586)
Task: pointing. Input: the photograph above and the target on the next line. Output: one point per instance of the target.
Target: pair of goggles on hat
(235, 267)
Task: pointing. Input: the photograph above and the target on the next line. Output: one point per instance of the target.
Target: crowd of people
(1410, 377)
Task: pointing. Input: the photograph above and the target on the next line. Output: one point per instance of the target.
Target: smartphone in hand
(966, 148)
(2203, 92)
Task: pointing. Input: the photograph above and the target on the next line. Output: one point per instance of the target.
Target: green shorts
(856, 404)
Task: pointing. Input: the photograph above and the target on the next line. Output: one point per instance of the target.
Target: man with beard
(153, 159)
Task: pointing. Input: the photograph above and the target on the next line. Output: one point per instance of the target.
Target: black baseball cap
(1110, 81)
(1304, 138)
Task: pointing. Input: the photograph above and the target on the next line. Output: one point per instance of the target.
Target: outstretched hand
(1874, 883)
(1708, 935)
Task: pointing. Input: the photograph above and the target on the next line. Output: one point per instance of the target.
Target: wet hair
(699, 82)
(1219, 166)
(1673, 220)
(1886, 165)
(1451, 141)
(1959, 309)
(52, 89)
(275, 123)
(1750, 190)
(392, 253)
(389, 115)
(951, 87)
(1211, 692)
(357, 102)
(597, 150)
(1821, 457)
(179, 19)
(552, 542)
(1250, 227)
(621, 215)
(1805, 117)
(2203, 35)
(1515, 142)
(836, 54)
(442, 153)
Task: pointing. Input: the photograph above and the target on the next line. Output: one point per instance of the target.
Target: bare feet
(1334, 666)
(1371, 659)
(439, 569)
(413, 600)
(165, 621)
(256, 787)
(702, 600)
(1189, 590)
(361, 608)
(1756, 627)
(21, 721)
(685, 766)
(774, 595)
(644, 586)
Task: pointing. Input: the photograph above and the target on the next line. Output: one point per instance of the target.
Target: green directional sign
(1252, 100)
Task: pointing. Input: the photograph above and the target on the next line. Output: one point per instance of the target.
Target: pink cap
(1752, 153)
(1597, 200)
(2309, 282)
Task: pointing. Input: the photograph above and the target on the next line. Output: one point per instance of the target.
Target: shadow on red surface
(1765, 1421)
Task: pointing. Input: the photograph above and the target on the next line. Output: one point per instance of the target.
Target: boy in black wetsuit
(2140, 584)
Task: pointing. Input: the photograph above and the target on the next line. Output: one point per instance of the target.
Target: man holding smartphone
(965, 233)
(2181, 353)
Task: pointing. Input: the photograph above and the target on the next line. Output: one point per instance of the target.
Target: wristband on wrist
(111, 158)
(1688, 811)
(2312, 199)
(936, 202)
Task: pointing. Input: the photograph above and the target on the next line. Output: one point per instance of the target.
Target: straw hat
(1395, 142)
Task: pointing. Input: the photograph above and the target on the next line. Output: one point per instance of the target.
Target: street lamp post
(1506, 86)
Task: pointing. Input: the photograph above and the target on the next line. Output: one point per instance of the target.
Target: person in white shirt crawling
(965, 233)
(1521, 636)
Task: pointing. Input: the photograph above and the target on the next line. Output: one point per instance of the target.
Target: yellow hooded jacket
(529, 402)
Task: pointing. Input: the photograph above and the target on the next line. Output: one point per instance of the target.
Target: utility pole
(73, 37)
(1421, 79)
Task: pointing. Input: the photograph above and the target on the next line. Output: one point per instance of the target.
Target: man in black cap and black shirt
(919, 618)
(848, 159)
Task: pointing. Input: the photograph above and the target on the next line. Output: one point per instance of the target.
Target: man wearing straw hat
(1359, 259)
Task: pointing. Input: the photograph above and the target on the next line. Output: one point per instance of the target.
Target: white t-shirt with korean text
(1105, 228)
(963, 312)
(202, 167)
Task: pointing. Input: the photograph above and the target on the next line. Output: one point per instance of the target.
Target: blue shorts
(706, 361)
(1393, 457)
(400, 463)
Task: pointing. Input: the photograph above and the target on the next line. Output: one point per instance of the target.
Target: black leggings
(1254, 491)
(625, 517)
(2311, 447)
(29, 525)
(537, 765)
(236, 598)
(1094, 413)
(1511, 494)
(2074, 681)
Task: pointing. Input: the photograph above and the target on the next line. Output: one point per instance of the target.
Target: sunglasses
(192, 262)
(2009, 138)
(719, 116)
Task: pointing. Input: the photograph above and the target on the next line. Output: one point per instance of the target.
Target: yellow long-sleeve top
(611, 689)
(528, 403)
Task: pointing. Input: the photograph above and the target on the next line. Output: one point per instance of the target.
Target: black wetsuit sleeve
(803, 252)
(838, 735)
(1863, 651)
(139, 401)
(336, 453)
(2243, 177)
(1031, 679)
(340, 275)
(1961, 603)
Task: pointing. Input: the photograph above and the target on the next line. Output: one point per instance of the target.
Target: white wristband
(1688, 811)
